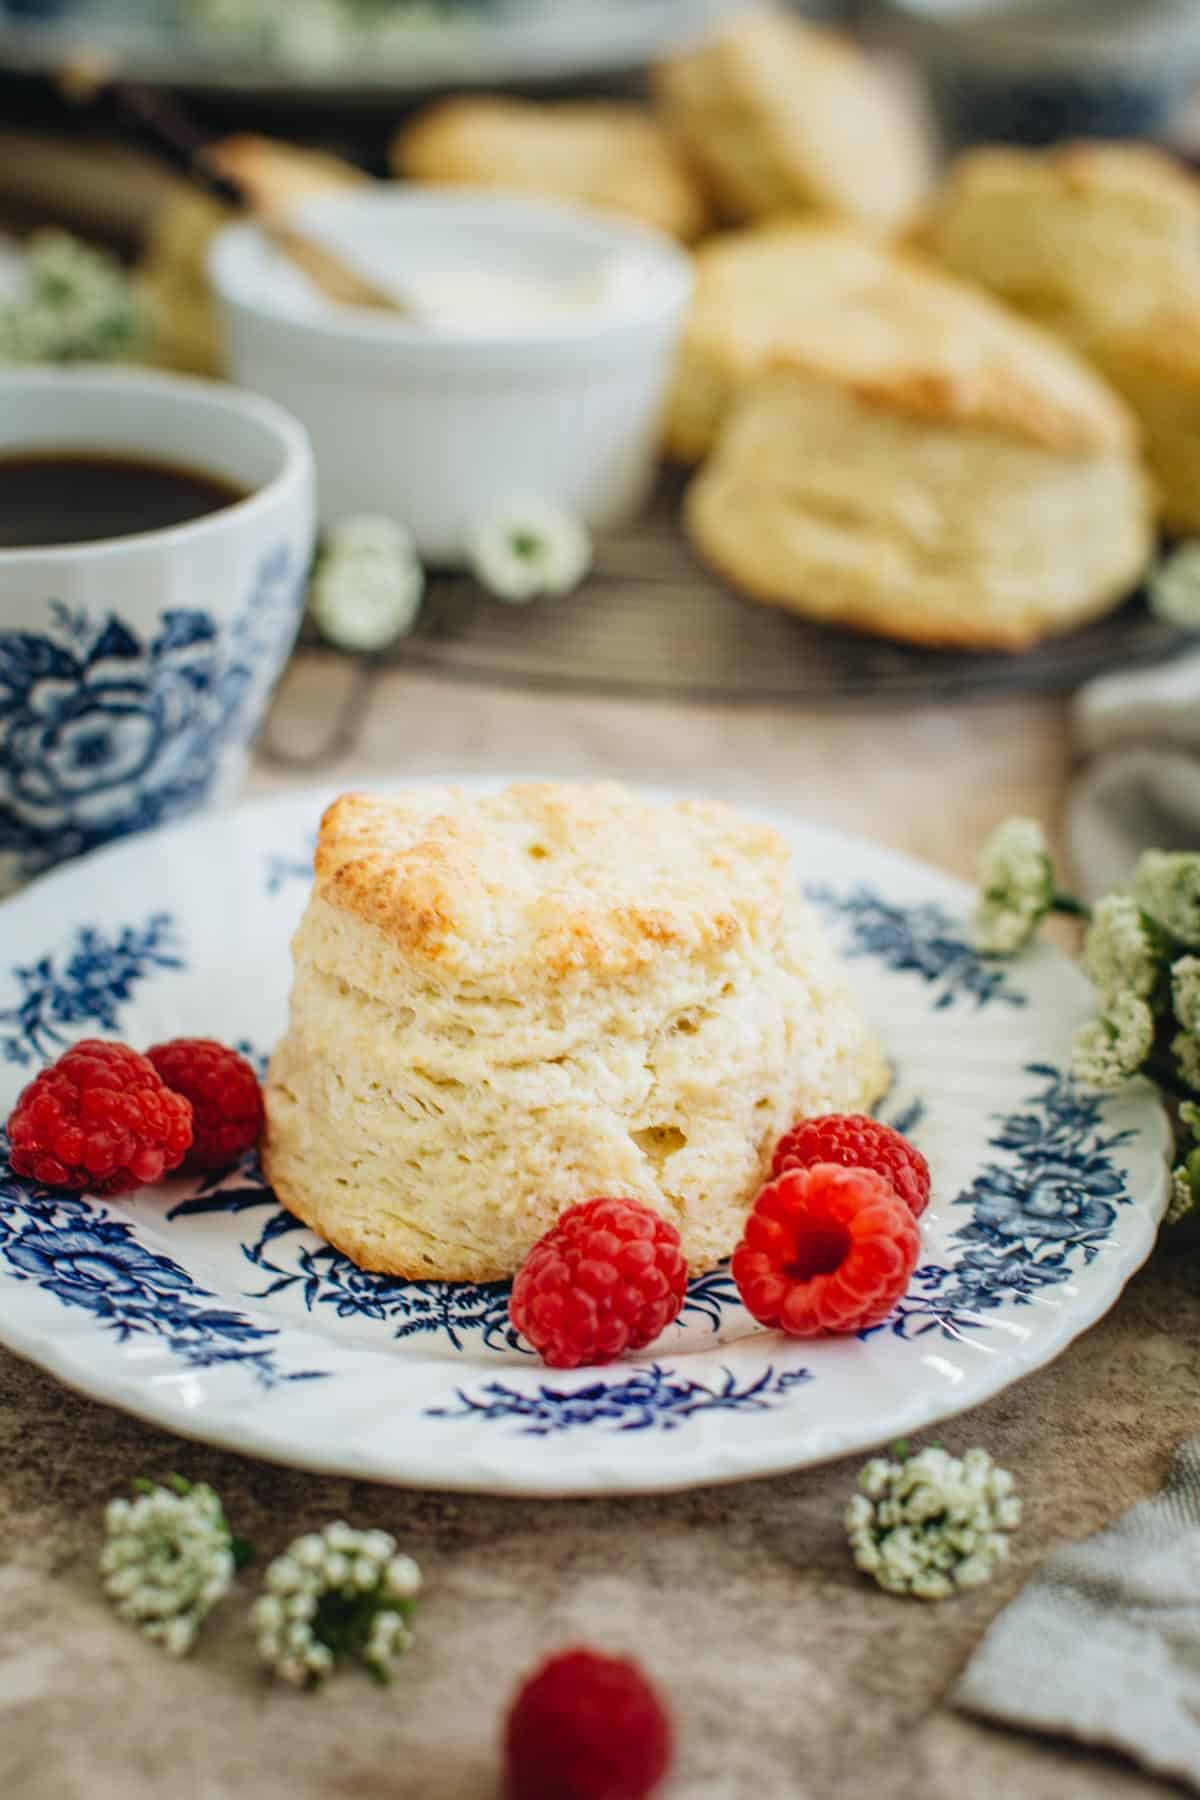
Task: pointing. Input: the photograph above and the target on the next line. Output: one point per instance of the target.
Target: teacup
(135, 670)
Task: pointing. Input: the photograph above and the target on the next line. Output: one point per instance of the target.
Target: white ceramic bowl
(135, 670)
(440, 428)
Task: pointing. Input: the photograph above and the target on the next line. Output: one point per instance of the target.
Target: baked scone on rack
(898, 453)
(1101, 243)
(781, 116)
(834, 298)
(890, 501)
(606, 154)
(505, 1005)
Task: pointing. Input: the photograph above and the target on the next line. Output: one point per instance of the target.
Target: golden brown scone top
(599, 153)
(549, 879)
(895, 330)
(1090, 236)
(780, 115)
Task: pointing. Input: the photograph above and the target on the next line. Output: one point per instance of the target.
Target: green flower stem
(1069, 906)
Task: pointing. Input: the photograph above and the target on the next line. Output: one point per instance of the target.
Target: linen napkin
(1103, 1645)
(1140, 788)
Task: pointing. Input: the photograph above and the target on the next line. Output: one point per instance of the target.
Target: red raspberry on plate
(99, 1120)
(608, 1277)
(826, 1249)
(856, 1142)
(586, 1727)
(227, 1107)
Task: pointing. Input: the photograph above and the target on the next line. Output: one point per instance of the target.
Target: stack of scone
(503, 1006)
(1101, 243)
(779, 116)
(599, 153)
(771, 115)
(894, 451)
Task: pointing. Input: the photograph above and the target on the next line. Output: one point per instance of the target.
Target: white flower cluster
(531, 552)
(1016, 882)
(1185, 1179)
(1174, 587)
(1166, 884)
(77, 304)
(1119, 953)
(931, 1524)
(367, 588)
(1108, 1050)
(167, 1561)
(335, 1594)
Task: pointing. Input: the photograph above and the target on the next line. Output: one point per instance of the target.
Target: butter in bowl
(526, 353)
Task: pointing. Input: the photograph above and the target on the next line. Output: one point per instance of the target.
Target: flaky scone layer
(503, 1006)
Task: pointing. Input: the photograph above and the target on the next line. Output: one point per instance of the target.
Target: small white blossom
(1174, 587)
(1118, 952)
(1166, 884)
(530, 552)
(367, 588)
(1016, 887)
(932, 1524)
(1110, 1049)
(77, 305)
(1185, 1192)
(332, 1595)
(1185, 992)
(167, 1560)
(1185, 1048)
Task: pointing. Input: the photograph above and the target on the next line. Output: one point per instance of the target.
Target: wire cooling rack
(653, 623)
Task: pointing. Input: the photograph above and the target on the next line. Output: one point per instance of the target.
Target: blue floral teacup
(134, 671)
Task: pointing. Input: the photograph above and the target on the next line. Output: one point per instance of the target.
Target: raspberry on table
(100, 1120)
(826, 1249)
(856, 1142)
(227, 1105)
(586, 1727)
(609, 1277)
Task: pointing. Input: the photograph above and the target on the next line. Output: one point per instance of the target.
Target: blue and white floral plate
(207, 1309)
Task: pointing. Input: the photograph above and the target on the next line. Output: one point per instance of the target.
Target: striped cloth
(1103, 1645)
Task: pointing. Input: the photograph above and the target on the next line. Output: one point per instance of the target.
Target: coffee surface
(57, 497)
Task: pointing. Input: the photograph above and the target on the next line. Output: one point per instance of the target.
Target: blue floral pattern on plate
(649, 1399)
(104, 732)
(1035, 1205)
(920, 940)
(1032, 1219)
(59, 1001)
(75, 1249)
(463, 1313)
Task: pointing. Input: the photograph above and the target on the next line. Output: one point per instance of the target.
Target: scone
(781, 116)
(1100, 242)
(600, 153)
(172, 275)
(894, 502)
(838, 300)
(504, 1005)
(1089, 238)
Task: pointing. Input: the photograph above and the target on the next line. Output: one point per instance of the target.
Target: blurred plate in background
(204, 46)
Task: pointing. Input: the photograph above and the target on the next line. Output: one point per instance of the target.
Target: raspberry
(609, 1277)
(826, 1249)
(227, 1108)
(856, 1142)
(99, 1119)
(586, 1727)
